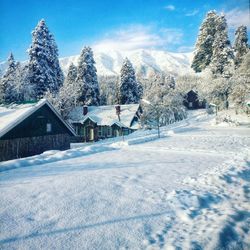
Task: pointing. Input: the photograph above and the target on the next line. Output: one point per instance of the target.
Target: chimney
(118, 109)
(85, 110)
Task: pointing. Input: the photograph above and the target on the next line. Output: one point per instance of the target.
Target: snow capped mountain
(108, 63)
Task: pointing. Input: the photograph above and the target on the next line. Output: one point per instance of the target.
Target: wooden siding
(23, 147)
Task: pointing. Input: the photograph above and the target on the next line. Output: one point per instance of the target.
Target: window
(82, 131)
(109, 131)
(99, 131)
(49, 127)
(76, 129)
(125, 131)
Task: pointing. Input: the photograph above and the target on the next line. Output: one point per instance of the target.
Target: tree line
(223, 69)
(42, 77)
(222, 74)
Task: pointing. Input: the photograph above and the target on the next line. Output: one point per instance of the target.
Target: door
(117, 133)
(91, 134)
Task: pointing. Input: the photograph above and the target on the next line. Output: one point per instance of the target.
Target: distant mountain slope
(145, 61)
(109, 63)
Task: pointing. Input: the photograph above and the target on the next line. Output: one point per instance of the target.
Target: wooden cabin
(92, 123)
(191, 101)
(32, 128)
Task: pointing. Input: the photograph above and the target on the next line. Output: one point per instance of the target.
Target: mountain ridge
(145, 62)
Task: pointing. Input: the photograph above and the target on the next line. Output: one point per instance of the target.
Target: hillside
(108, 63)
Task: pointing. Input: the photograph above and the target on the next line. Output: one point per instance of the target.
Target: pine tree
(240, 45)
(70, 91)
(109, 90)
(9, 81)
(204, 44)
(44, 69)
(87, 78)
(128, 89)
(241, 84)
(222, 58)
(71, 75)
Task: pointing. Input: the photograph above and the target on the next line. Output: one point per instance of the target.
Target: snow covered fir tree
(87, 78)
(204, 45)
(68, 95)
(44, 71)
(128, 90)
(222, 57)
(240, 45)
(8, 81)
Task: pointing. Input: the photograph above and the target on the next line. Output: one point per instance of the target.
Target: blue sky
(104, 24)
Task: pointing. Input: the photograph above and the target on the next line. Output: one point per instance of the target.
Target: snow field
(187, 190)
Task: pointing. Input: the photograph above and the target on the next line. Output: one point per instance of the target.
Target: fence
(23, 147)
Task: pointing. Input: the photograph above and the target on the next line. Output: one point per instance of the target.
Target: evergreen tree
(70, 91)
(241, 84)
(71, 75)
(44, 69)
(87, 78)
(240, 45)
(9, 81)
(109, 90)
(128, 89)
(222, 58)
(204, 44)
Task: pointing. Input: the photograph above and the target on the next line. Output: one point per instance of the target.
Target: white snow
(189, 189)
(230, 118)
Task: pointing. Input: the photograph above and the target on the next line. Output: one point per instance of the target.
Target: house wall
(116, 130)
(101, 132)
(28, 146)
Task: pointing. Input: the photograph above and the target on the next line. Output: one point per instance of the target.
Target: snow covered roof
(105, 115)
(13, 114)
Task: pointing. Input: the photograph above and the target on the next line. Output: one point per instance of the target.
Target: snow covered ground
(189, 189)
